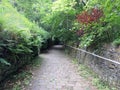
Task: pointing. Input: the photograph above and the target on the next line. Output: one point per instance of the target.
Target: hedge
(20, 39)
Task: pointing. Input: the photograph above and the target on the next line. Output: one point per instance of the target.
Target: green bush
(116, 42)
(106, 29)
(20, 39)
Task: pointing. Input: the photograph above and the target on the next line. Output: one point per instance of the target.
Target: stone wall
(111, 52)
(107, 69)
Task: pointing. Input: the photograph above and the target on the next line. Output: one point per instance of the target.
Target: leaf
(4, 61)
(3, 45)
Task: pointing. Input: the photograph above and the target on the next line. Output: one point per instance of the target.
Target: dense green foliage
(20, 39)
(60, 18)
(85, 22)
(105, 30)
(34, 10)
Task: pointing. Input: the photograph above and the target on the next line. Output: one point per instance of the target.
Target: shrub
(20, 39)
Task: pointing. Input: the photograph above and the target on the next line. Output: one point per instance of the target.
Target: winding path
(57, 72)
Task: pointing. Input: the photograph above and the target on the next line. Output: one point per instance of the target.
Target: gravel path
(57, 72)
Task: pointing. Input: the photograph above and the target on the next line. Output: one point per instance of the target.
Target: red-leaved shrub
(87, 17)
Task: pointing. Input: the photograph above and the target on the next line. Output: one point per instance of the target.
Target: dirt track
(57, 72)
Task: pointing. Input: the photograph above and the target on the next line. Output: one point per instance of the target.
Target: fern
(3, 61)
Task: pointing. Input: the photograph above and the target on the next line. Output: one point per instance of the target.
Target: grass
(23, 76)
(93, 77)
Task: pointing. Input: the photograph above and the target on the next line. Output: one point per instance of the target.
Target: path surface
(57, 72)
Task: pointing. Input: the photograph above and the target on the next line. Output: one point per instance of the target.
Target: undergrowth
(23, 76)
(88, 74)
